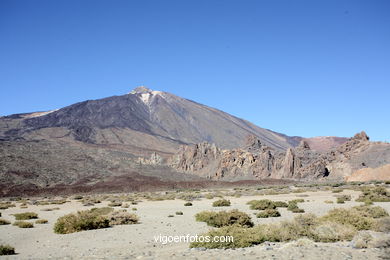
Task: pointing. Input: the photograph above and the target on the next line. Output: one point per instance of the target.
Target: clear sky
(307, 68)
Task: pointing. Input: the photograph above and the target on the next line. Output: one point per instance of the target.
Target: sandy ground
(137, 241)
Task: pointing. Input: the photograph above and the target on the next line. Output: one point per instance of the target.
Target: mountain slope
(155, 113)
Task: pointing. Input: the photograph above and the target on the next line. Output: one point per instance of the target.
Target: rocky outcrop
(259, 161)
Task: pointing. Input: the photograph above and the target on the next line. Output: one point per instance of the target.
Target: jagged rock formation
(259, 161)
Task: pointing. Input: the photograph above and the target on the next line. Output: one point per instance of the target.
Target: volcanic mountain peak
(145, 94)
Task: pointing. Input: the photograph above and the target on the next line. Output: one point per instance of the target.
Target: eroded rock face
(258, 161)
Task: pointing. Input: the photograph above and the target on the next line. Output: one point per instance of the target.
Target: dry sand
(137, 241)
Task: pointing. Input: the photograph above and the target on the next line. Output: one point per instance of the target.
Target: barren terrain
(137, 241)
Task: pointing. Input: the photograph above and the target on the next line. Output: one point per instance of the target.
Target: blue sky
(307, 68)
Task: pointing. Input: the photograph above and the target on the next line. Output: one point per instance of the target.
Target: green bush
(375, 194)
(293, 206)
(221, 203)
(6, 205)
(4, 222)
(341, 199)
(332, 232)
(26, 216)
(80, 221)
(224, 218)
(306, 225)
(242, 237)
(188, 204)
(41, 221)
(7, 250)
(180, 213)
(268, 213)
(350, 217)
(23, 224)
(280, 204)
(261, 204)
(371, 211)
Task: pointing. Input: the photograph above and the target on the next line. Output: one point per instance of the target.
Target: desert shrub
(4, 222)
(122, 218)
(82, 220)
(26, 215)
(221, 203)
(372, 212)
(261, 204)
(179, 213)
(125, 205)
(305, 225)
(242, 237)
(23, 224)
(293, 206)
(78, 197)
(7, 250)
(341, 199)
(188, 204)
(170, 216)
(224, 218)
(41, 221)
(375, 194)
(350, 217)
(268, 213)
(337, 190)
(134, 209)
(332, 232)
(280, 204)
(115, 204)
(329, 201)
(6, 205)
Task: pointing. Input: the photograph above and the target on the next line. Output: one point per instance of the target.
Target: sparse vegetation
(41, 221)
(6, 205)
(188, 204)
(261, 204)
(343, 198)
(180, 213)
(221, 203)
(374, 194)
(7, 250)
(82, 220)
(268, 213)
(293, 206)
(4, 222)
(23, 224)
(224, 218)
(26, 216)
(337, 225)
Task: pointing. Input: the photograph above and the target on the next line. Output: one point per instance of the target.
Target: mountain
(150, 139)
(168, 118)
